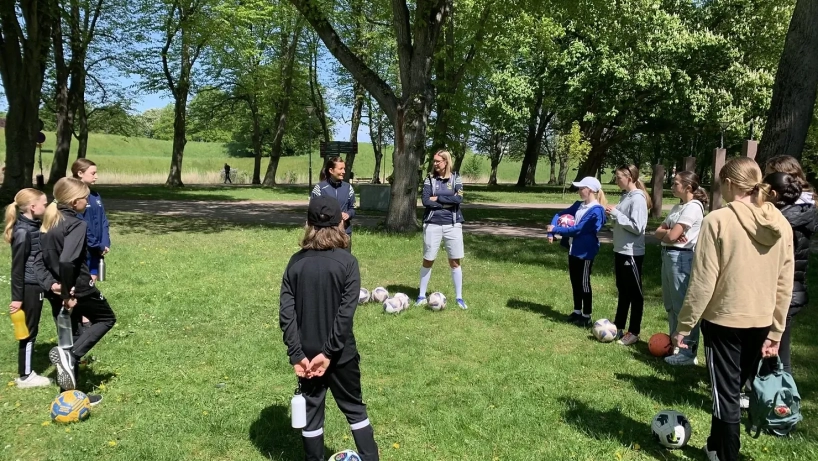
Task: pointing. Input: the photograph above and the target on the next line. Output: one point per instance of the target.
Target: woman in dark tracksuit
(64, 247)
(319, 295)
(332, 185)
(28, 276)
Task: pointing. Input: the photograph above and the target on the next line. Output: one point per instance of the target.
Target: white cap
(589, 182)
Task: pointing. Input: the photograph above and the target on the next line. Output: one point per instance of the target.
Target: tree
(23, 53)
(572, 149)
(796, 84)
(416, 35)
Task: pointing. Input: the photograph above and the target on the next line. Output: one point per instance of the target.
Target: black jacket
(26, 258)
(64, 248)
(319, 295)
(804, 221)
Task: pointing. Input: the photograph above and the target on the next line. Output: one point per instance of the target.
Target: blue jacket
(98, 234)
(585, 243)
(341, 191)
(449, 193)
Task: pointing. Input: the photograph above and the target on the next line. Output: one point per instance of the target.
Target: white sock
(425, 276)
(457, 278)
(578, 312)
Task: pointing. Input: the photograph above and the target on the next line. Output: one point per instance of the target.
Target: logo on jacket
(99, 202)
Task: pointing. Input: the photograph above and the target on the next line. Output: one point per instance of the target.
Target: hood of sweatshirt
(762, 223)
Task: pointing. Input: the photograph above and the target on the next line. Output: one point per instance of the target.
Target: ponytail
(641, 186)
(691, 180)
(600, 197)
(701, 195)
(760, 193)
(22, 200)
(51, 217)
(745, 176)
(67, 191)
(11, 219)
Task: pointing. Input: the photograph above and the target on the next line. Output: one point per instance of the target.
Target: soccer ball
(671, 429)
(660, 345)
(346, 455)
(392, 305)
(70, 407)
(566, 220)
(364, 296)
(604, 330)
(404, 298)
(380, 294)
(437, 301)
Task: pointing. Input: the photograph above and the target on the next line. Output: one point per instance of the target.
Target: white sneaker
(681, 360)
(711, 455)
(32, 380)
(629, 339)
(744, 401)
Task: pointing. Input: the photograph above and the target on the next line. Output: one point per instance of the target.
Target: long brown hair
(789, 164)
(324, 238)
(691, 180)
(22, 201)
(80, 166)
(67, 191)
(745, 175)
(633, 172)
(331, 163)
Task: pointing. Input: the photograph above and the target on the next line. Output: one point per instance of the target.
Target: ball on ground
(671, 429)
(70, 407)
(346, 455)
(437, 301)
(660, 345)
(604, 331)
(380, 294)
(363, 298)
(392, 305)
(404, 298)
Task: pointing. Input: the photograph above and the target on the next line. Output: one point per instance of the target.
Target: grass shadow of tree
(611, 424)
(547, 312)
(273, 436)
(670, 393)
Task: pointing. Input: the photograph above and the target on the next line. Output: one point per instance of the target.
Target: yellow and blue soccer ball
(346, 455)
(70, 407)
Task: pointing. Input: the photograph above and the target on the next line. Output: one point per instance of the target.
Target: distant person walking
(227, 174)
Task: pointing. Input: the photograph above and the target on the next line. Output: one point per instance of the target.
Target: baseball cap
(589, 182)
(324, 212)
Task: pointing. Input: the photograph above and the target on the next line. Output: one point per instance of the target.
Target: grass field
(195, 368)
(126, 160)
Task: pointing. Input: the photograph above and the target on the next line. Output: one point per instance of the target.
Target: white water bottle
(299, 409)
(101, 276)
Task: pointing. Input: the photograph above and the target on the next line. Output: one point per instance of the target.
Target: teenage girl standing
(630, 217)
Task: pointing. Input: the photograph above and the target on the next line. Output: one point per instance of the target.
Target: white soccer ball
(363, 298)
(671, 429)
(380, 294)
(404, 298)
(346, 455)
(437, 301)
(604, 330)
(392, 305)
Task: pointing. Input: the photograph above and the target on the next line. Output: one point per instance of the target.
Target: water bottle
(101, 276)
(299, 409)
(65, 334)
(18, 319)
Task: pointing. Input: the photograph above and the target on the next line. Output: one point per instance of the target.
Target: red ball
(565, 220)
(660, 345)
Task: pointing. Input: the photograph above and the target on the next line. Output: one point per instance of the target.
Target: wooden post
(690, 164)
(719, 157)
(656, 191)
(749, 149)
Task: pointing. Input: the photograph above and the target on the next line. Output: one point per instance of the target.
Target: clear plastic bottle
(18, 319)
(65, 334)
(299, 410)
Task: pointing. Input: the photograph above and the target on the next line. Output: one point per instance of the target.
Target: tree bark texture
(796, 83)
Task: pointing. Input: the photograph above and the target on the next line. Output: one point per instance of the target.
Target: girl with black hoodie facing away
(28, 276)
(803, 217)
(64, 248)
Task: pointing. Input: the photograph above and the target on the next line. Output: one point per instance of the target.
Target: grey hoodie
(630, 218)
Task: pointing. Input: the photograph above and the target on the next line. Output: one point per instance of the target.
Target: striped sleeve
(316, 191)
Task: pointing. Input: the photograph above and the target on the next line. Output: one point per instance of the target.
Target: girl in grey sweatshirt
(629, 218)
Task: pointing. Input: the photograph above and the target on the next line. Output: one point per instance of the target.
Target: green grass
(506, 380)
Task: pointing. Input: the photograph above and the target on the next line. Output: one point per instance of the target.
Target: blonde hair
(745, 175)
(22, 201)
(600, 197)
(633, 173)
(789, 164)
(80, 166)
(66, 191)
(447, 157)
(323, 238)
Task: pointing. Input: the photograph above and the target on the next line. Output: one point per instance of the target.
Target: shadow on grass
(273, 436)
(670, 393)
(89, 379)
(545, 311)
(39, 358)
(412, 292)
(613, 425)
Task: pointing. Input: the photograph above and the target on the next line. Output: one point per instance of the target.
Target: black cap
(324, 212)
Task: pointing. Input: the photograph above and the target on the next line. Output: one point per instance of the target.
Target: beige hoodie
(742, 270)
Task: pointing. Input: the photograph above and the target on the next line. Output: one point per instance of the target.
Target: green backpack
(775, 405)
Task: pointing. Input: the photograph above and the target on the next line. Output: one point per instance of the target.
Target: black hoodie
(64, 250)
(804, 221)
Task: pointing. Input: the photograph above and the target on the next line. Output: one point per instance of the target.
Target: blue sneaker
(462, 303)
(421, 301)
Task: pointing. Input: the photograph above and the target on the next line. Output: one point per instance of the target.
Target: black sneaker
(63, 361)
(573, 317)
(95, 399)
(584, 322)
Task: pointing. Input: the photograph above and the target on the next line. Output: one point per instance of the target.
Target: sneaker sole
(64, 378)
(30, 386)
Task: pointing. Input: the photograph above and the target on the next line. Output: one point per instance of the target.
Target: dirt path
(292, 213)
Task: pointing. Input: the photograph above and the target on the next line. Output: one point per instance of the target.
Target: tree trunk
(410, 137)
(376, 135)
(179, 139)
(591, 165)
(256, 139)
(552, 177)
(63, 110)
(563, 169)
(796, 83)
(531, 147)
(357, 110)
(82, 120)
